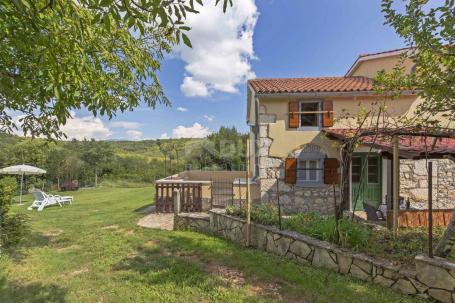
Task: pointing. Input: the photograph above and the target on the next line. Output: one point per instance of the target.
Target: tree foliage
(230, 148)
(429, 30)
(12, 227)
(129, 161)
(103, 55)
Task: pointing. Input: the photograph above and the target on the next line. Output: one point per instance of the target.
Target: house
(297, 126)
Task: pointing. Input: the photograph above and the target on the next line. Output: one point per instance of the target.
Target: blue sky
(263, 38)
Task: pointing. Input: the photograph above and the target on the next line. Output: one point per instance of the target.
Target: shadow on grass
(31, 240)
(148, 208)
(158, 266)
(301, 283)
(14, 292)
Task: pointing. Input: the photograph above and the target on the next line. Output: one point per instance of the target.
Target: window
(356, 170)
(310, 120)
(373, 169)
(309, 171)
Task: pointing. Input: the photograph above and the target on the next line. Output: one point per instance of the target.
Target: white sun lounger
(43, 200)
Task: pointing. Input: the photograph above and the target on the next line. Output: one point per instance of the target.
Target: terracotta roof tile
(410, 146)
(308, 85)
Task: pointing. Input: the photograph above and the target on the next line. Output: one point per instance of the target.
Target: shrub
(8, 187)
(351, 234)
(12, 227)
(266, 214)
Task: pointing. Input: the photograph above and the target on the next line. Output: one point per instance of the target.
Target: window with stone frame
(309, 171)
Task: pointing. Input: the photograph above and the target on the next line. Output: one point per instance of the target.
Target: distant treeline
(89, 161)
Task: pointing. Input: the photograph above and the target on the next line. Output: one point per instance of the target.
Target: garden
(93, 251)
(373, 240)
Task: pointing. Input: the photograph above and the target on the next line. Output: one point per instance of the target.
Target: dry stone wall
(414, 183)
(433, 278)
(199, 222)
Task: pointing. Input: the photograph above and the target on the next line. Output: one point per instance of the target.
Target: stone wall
(414, 183)
(199, 222)
(292, 197)
(433, 278)
(438, 275)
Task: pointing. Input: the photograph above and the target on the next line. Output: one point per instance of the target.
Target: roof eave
(329, 94)
(363, 58)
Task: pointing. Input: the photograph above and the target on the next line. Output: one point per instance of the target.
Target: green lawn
(92, 251)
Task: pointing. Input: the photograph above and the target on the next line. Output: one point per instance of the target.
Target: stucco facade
(293, 197)
(269, 114)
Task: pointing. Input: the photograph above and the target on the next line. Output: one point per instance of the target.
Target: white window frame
(319, 171)
(310, 128)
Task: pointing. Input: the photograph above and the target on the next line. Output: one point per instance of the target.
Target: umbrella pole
(22, 185)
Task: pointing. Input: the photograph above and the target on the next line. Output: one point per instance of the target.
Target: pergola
(396, 144)
(415, 144)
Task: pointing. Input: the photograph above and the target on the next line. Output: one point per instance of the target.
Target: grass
(93, 251)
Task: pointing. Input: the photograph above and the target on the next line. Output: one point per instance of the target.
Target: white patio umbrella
(23, 170)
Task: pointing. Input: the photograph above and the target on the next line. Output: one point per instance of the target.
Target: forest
(93, 162)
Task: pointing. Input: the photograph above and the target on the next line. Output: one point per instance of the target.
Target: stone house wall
(433, 278)
(413, 179)
(293, 197)
(414, 183)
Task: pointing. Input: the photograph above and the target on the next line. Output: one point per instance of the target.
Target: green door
(366, 180)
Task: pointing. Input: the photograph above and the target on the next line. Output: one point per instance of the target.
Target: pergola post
(430, 209)
(396, 182)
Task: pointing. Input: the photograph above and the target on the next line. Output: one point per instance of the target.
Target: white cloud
(222, 48)
(194, 88)
(86, 127)
(209, 118)
(125, 124)
(164, 136)
(195, 131)
(182, 109)
(134, 135)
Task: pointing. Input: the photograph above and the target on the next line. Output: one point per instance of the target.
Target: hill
(90, 161)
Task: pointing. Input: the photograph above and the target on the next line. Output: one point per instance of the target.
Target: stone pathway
(157, 221)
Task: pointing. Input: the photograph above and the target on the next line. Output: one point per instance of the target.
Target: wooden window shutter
(290, 176)
(293, 118)
(327, 118)
(331, 171)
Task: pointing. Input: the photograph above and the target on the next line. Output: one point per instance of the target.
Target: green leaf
(186, 40)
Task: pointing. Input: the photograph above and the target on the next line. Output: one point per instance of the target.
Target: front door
(366, 180)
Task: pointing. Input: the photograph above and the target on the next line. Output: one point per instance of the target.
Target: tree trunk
(346, 156)
(96, 177)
